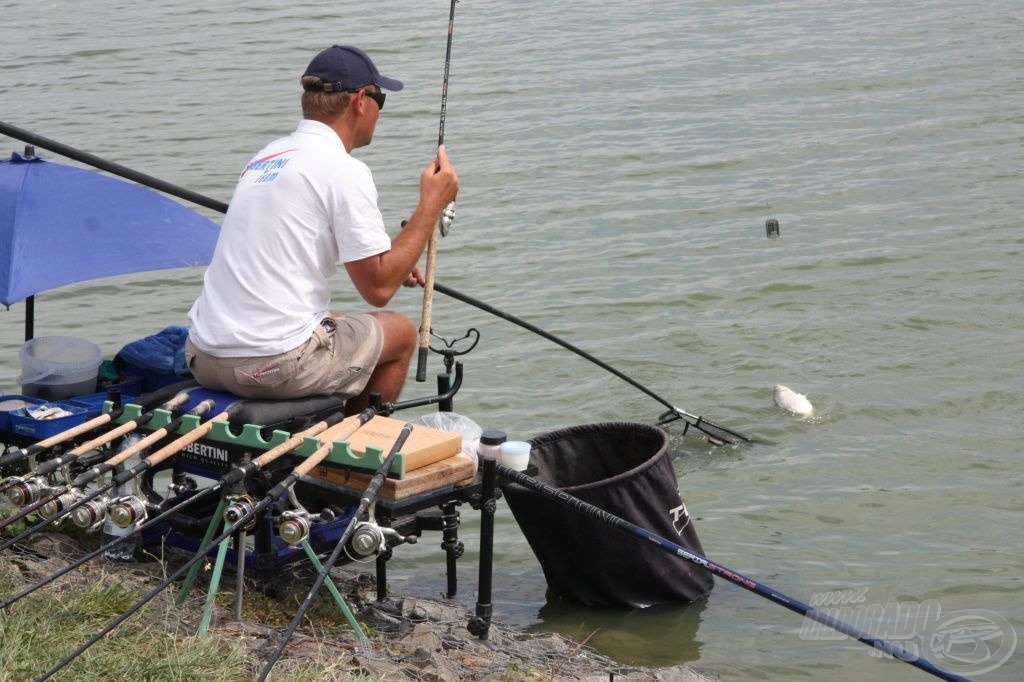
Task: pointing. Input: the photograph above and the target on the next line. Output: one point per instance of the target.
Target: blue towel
(163, 352)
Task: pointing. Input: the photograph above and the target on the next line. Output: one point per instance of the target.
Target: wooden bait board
(452, 471)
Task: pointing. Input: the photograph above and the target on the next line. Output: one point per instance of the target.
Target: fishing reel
(296, 524)
(26, 491)
(91, 515)
(370, 539)
(445, 223)
(239, 506)
(125, 512)
(181, 483)
(447, 218)
(294, 527)
(55, 507)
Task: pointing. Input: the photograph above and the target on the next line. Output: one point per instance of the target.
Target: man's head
(345, 68)
(337, 72)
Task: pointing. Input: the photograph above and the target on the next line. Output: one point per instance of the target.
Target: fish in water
(794, 402)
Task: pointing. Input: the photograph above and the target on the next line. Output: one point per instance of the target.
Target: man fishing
(262, 326)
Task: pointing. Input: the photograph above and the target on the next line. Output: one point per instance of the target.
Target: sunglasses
(377, 97)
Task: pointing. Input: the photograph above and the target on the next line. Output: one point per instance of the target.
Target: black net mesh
(624, 469)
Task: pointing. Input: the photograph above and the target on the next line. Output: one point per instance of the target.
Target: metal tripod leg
(193, 572)
(453, 548)
(480, 624)
(239, 573)
(313, 559)
(211, 594)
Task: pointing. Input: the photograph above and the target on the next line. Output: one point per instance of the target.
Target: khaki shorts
(337, 360)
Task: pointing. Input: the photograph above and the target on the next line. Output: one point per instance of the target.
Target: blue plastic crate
(25, 425)
(93, 403)
(5, 415)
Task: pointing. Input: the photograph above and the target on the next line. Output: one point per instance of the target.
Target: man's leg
(389, 375)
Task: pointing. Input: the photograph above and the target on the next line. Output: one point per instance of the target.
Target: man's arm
(377, 278)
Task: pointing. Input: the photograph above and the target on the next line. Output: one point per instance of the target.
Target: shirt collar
(310, 127)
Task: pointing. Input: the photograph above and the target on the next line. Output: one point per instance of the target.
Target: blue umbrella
(60, 224)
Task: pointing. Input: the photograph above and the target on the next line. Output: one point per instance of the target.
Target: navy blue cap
(343, 68)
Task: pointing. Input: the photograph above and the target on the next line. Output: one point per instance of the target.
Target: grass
(156, 644)
(38, 631)
(159, 641)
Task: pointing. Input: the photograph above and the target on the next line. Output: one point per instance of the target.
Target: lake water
(618, 162)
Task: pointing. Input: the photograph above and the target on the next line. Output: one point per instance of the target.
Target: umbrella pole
(30, 317)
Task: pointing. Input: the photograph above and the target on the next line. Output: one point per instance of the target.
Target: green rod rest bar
(251, 436)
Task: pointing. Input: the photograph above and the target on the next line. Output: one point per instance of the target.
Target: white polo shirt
(301, 206)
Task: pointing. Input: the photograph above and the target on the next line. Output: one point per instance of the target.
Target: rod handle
(180, 444)
(428, 302)
(339, 432)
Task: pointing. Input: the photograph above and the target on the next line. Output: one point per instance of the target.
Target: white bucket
(57, 367)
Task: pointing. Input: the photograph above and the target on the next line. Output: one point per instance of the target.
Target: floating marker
(771, 226)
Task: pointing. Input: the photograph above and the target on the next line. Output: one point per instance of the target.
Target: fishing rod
(295, 529)
(33, 491)
(241, 515)
(132, 517)
(369, 495)
(29, 486)
(673, 412)
(91, 511)
(49, 443)
(443, 223)
(817, 615)
(57, 439)
(69, 498)
(153, 398)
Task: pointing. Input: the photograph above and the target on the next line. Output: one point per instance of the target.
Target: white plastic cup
(515, 454)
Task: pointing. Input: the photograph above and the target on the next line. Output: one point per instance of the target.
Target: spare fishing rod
(443, 223)
(57, 439)
(324, 428)
(69, 498)
(294, 526)
(369, 495)
(241, 516)
(33, 491)
(817, 615)
(673, 413)
(154, 398)
(28, 487)
(90, 512)
(30, 492)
